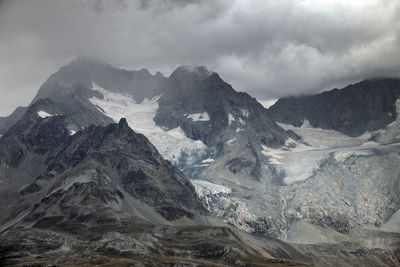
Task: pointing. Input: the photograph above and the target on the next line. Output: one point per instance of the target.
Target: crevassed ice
(198, 116)
(171, 144)
(204, 187)
(298, 163)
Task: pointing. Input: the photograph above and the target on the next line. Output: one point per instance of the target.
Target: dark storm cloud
(268, 48)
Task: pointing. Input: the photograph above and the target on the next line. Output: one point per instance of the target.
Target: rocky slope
(110, 166)
(365, 106)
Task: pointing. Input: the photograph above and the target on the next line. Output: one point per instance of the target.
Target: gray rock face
(195, 91)
(99, 168)
(366, 106)
(7, 122)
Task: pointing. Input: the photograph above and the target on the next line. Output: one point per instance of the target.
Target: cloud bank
(268, 48)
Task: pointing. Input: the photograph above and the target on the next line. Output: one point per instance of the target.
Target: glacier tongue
(299, 161)
(171, 144)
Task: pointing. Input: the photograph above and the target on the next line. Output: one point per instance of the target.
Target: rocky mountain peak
(123, 123)
(159, 74)
(145, 72)
(187, 75)
(191, 70)
(86, 62)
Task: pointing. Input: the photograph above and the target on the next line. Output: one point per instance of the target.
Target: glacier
(172, 144)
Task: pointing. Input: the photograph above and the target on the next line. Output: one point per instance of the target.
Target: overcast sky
(268, 48)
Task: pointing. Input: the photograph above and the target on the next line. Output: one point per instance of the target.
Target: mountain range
(125, 167)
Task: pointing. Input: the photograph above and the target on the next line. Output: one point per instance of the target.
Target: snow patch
(198, 116)
(230, 119)
(44, 114)
(209, 160)
(72, 132)
(245, 112)
(140, 117)
(242, 122)
(231, 141)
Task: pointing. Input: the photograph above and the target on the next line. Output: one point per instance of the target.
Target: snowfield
(171, 144)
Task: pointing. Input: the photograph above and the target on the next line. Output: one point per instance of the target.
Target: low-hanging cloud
(267, 48)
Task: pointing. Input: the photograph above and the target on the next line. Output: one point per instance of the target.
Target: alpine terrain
(109, 166)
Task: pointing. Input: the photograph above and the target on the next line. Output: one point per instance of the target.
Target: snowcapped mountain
(309, 178)
(104, 195)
